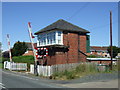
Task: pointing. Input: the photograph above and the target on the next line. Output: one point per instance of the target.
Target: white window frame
(56, 38)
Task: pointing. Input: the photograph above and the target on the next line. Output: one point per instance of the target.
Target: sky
(92, 16)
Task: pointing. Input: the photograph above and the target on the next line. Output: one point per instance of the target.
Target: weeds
(82, 70)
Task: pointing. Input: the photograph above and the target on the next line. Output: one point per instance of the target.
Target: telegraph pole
(8, 40)
(33, 47)
(111, 38)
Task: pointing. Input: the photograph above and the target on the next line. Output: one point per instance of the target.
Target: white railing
(15, 66)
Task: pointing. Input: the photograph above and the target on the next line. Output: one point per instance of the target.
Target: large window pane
(50, 38)
(59, 33)
(59, 37)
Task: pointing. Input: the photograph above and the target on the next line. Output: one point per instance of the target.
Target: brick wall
(73, 47)
(71, 56)
(82, 47)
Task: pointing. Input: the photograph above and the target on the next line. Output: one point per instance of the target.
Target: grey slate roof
(62, 25)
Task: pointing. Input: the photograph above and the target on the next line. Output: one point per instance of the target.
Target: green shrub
(92, 56)
(24, 59)
(21, 59)
(5, 59)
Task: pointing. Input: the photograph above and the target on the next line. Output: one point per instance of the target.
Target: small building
(106, 61)
(29, 50)
(66, 43)
(100, 51)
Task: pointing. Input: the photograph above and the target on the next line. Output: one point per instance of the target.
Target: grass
(81, 71)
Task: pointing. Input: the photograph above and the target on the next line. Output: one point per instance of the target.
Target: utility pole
(111, 38)
(8, 40)
(33, 47)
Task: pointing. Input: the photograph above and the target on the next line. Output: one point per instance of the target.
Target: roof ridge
(64, 25)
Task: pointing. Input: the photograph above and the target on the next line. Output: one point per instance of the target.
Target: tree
(115, 49)
(19, 48)
(5, 54)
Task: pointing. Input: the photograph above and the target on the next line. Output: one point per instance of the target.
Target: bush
(21, 59)
(24, 59)
(92, 56)
(5, 59)
(19, 48)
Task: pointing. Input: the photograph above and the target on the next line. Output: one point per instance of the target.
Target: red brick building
(29, 50)
(66, 43)
(99, 51)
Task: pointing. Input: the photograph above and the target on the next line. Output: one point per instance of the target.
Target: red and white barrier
(32, 42)
(8, 39)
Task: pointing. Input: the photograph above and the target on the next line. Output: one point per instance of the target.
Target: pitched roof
(30, 46)
(98, 48)
(62, 25)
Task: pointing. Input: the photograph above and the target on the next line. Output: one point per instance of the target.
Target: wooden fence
(49, 70)
(15, 66)
(42, 70)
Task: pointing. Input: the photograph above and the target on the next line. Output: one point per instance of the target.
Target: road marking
(2, 85)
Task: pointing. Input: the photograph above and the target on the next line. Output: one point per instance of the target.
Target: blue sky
(92, 16)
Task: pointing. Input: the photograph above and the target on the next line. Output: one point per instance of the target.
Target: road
(13, 80)
(98, 84)
(17, 80)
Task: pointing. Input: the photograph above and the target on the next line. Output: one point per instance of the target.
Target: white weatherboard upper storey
(50, 38)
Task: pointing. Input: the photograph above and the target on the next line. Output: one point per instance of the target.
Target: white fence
(49, 70)
(42, 70)
(15, 66)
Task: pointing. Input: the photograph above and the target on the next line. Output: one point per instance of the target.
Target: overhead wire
(84, 6)
(78, 11)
